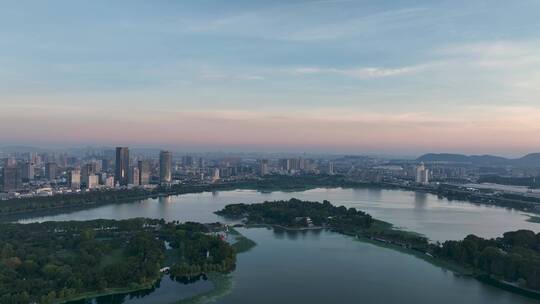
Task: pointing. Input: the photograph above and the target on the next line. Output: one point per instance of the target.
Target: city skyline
(321, 76)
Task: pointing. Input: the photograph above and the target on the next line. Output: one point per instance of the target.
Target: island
(54, 262)
(511, 261)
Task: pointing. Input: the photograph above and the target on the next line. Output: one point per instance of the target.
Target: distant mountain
(530, 160)
(22, 149)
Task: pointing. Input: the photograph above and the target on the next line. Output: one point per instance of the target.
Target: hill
(529, 160)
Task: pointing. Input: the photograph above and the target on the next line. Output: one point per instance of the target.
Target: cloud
(495, 54)
(363, 73)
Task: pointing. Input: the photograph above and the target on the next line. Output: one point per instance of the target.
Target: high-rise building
(106, 164)
(87, 170)
(144, 172)
(12, 179)
(187, 161)
(134, 176)
(301, 163)
(331, 170)
(75, 179)
(263, 170)
(9, 162)
(284, 164)
(35, 159)
(422, 174)
(201, 163)
(294, 164)
(216, 175)
(97, 165)
(109, 182)
(27, 171)
(51, 171)
(165, 167)
(122, 166)
(93, 181)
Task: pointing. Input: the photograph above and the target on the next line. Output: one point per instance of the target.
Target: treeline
(72, 200)
(55, 261)
(298, 214)
(514, 258)
(531, 182)
(102, 197)
(486, 197)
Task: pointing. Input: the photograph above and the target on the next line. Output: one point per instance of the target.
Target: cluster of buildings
(44, 174)
(27, 174)
(47, 173)
(127, 173)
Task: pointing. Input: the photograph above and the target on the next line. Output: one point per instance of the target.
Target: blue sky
(341, 76)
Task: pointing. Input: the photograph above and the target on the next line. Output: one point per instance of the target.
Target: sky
(338, 76)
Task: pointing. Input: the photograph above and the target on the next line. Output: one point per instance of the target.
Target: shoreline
(110, 292)
(52, 211)
(269, 186)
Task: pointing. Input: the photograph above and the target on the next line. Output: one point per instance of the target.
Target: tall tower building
(75, 179)
(422, 174)
(165, 167)
(27, 171)
(134, 176)
(87, 170)
(50, 170)
(263, 170)
(216, 175)
(331, 170)
(93, 181)
(12, 178)
(144, 172)
(122, 166)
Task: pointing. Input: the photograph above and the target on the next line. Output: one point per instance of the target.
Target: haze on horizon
(396, 77)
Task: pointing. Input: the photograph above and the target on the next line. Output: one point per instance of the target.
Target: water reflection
(374, 194)
(165, 199)
(437, 218)
(167, 290)
(420, 200)
(289, 234)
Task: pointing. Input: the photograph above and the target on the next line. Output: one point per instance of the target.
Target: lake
(437, 218)
(325, 267)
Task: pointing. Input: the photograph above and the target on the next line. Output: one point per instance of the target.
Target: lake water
(325, 267)
(438, 219)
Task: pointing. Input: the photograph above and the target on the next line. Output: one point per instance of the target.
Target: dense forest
(515, 257)
(53, 261)
(298, 214)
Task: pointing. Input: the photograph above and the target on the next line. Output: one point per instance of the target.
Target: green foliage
(295, 213)
(515, 257)
(73, 200)
(532, 182)
(51, 261)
